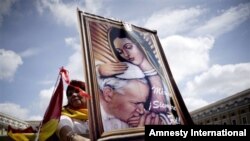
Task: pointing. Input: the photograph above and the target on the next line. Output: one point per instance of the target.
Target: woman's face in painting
(129, 50)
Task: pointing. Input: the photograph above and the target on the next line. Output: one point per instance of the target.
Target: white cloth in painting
(112, 123)
(132, 72)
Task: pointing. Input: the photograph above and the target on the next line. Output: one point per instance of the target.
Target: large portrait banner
(128, 79)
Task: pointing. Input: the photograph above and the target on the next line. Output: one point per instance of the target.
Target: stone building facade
(233, 110)
(14, 122)
(6, 120)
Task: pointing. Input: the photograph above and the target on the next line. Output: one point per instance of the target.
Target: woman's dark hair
(114, 33)
(73, 84)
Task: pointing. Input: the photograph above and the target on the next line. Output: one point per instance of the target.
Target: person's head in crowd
(75, 100)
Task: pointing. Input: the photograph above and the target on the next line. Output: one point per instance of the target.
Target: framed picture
(128, 79)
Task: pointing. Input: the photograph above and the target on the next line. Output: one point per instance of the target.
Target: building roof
(238, 97)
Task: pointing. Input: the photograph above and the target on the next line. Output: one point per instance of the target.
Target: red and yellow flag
(50, 120)
(53, 113)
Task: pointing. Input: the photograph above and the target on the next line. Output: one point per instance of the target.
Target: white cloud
(72, 42)
(174, 21)
(66, 12)
(44, 98)
(14, 110)
(17, 111)
(5, 8)
(29, 52)
(169, 22)
(193, 103)
(187, 56)
(75, 69)
(9, 63)
(225, 22)
(217, 83)
(39, 106)
(93, 6)
(75, 64)
(63, 13)
(47, 82)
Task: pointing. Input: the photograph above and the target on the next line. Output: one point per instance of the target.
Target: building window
(244, 120)
(235, 103)
(243, 111)
(218, 109)
(234, 122)
(208, 121)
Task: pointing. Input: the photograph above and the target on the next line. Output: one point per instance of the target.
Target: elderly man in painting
(123, 101)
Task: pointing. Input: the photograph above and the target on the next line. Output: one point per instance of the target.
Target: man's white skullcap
(117, 81)
(132, 72)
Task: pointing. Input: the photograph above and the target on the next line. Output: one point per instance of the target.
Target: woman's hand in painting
(110, 69)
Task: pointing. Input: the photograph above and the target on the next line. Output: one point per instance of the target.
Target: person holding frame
(128, 50)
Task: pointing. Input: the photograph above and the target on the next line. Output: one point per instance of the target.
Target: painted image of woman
(129, 51)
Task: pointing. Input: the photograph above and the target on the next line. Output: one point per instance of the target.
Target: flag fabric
(81, 114)
(27, 134)
(53, 113)
(50, 120)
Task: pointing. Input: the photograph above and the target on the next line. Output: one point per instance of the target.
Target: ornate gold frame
(95, 44)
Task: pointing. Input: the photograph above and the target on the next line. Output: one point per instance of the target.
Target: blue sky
(206, 43)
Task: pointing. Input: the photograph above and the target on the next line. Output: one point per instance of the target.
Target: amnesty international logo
(181, 132)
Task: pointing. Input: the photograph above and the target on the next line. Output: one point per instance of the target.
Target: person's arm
(65, 130)
(66, 134)
(110, 69)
